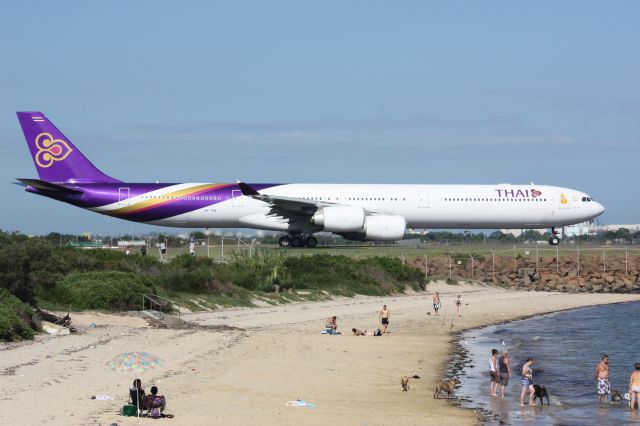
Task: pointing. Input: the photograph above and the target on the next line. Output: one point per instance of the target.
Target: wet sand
(246, 377)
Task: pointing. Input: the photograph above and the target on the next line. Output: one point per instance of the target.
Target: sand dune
(246, 377)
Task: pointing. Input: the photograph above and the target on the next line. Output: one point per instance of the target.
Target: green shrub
(15, 318)
(112, 290)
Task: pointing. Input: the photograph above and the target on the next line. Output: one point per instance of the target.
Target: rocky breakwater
(588, 274)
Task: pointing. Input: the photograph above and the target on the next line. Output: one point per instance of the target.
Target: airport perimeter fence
(489, 264)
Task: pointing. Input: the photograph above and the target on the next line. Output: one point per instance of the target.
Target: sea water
(566, 347)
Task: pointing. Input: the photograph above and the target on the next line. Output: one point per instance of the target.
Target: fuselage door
(123, 196)
(238, 198)
(423, 200)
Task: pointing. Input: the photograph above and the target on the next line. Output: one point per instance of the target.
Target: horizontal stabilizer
(41, 185)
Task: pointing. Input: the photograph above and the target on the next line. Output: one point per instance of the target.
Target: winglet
(247, 190)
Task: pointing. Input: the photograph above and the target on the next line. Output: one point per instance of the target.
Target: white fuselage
(422, 206)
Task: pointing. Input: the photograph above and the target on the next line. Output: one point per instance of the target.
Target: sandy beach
(246, 377)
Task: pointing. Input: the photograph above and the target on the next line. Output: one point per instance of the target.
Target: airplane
(354, 211)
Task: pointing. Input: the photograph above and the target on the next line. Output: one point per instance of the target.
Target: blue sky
(334, 91)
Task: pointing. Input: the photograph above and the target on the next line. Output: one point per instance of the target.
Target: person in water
(634, 386)
(493, 372)
(504, 369)
(602, 376)
(527, 382)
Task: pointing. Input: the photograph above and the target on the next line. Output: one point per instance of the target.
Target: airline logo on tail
(50, 150)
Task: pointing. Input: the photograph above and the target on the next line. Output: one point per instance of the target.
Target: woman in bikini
(634, 386)
(459, 304)
(527, 382)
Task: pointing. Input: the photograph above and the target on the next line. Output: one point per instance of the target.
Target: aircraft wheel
(554, 241)
(284, 242)
(311, 242)
(297, 242)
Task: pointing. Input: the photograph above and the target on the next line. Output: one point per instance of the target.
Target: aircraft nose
(599, 208)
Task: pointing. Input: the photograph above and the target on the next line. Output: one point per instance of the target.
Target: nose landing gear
(298, 241)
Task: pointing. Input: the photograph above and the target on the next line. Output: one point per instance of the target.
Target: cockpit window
(586, 199)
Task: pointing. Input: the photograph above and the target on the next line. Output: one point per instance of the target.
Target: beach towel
(301, 403)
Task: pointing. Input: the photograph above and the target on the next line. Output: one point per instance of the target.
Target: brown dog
(404, 381)
(446, 385)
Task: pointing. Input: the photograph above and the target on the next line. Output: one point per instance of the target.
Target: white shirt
(492, 366)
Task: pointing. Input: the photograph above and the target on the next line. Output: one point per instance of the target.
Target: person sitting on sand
(136, 394)
(332, 323)
(155, 403)
(634, 386)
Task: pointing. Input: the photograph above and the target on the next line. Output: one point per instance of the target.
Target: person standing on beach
(384, 316)
(504, 370)
(527, 382)
(602, 376)
(458, 305)
(436, 302)
(493, 372)
(634, 386)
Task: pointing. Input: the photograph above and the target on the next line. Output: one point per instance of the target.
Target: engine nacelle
(384, 228)
(380, 228)
(340, 219)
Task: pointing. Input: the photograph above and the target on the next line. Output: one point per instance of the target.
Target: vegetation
(16, 318)
(36, 270)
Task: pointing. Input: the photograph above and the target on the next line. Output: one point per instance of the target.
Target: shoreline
(245, 377)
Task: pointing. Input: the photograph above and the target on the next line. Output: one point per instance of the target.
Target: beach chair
(153, 405)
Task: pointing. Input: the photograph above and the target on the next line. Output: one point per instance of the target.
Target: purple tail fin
(55, 157)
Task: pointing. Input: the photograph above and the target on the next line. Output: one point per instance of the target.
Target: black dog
(540, 392)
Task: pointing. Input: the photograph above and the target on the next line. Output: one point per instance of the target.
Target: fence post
(604, 260)
(537, 259)
(471, 266)
(626, 260)
(515, 259)
(493, 264)
(557, 259)
(578, 252)
(222, 248)
(450, 265)
(426, 267)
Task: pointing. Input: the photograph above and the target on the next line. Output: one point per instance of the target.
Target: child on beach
(634, 386)
(458, 305)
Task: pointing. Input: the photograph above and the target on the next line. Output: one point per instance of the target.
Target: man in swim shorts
(436, 302)
(384, 316)
(602, 376)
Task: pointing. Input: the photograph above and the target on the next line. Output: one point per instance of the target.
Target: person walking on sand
(504, 370)
(458, 305)
(493, 372)
(527, 382)
(384, 316)
(602, 376)
(436, 302)
(634, 386)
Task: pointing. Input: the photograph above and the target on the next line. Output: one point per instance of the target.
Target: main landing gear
(554, 240)
(297, 241)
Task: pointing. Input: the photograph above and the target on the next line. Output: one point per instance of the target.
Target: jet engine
(340, 219)
(379, 228)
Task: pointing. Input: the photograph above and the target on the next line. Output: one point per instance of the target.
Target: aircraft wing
(285, 206)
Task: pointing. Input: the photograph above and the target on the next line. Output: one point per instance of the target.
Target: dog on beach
(540, 392)
(616, 396)
(447, 386)
(404, 381)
